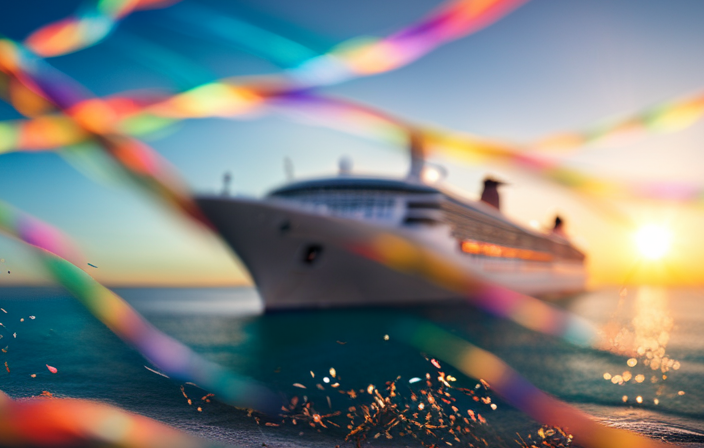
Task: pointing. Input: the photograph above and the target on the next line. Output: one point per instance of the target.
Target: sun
(653, 241)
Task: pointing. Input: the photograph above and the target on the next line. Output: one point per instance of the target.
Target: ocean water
(227, 325)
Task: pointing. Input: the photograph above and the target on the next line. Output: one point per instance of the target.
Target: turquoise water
(280, 349)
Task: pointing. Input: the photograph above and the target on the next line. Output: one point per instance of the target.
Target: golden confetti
(370, 389)
(632, 362)
(299, 385)
(624, 398)
(639, 399)
(332, 372)
(386, 337)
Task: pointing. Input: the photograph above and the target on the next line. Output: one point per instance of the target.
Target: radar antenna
(345, 166)
(226, 179)
(288, 169)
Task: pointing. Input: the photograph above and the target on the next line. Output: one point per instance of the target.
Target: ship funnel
(490, 194)
(345, 165)
(415, 141)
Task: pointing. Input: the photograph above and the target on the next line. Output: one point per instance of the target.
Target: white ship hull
(274, 238)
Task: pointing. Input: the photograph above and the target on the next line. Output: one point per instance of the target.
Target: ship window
(432, 205)
(420, 220)
(356, 204)
(311, 254)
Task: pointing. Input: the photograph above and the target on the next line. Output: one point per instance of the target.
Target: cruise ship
(294, 241)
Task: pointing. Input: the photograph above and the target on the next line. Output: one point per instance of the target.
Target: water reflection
(644, 338)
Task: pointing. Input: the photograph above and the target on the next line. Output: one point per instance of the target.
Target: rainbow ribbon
(514, 388)
(367, 56)
(364, 120)
(355, 58)
(35, 88)
(53, 422)
(50, 88)
(342, 115)
(450, 273)
(669, 116)
(228, 99)
(170, 356)
(86, 28)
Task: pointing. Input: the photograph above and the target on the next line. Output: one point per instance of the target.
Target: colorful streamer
(51, 422)
(365, 56)
(514, 388)
(228, 99)
(670, 116)
(86, 28)
(96, 118)
(364, 120)
(448, 272)
(43, 87)
(359, 57)
(223, 100)
(170, 356)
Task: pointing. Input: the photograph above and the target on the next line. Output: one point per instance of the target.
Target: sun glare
(653, 241)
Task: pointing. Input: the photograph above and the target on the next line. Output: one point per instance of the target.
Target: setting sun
(653, 241)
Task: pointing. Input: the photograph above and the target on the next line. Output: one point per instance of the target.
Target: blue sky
(547, 67)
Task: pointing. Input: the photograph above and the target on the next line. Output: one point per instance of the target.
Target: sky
(546, 67)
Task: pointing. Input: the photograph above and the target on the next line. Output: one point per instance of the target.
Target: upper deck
(479, 228)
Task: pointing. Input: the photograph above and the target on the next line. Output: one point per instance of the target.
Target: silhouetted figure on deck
(490, 194)
(559, 228)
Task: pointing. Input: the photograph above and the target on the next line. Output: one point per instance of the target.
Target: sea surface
(228, 326)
